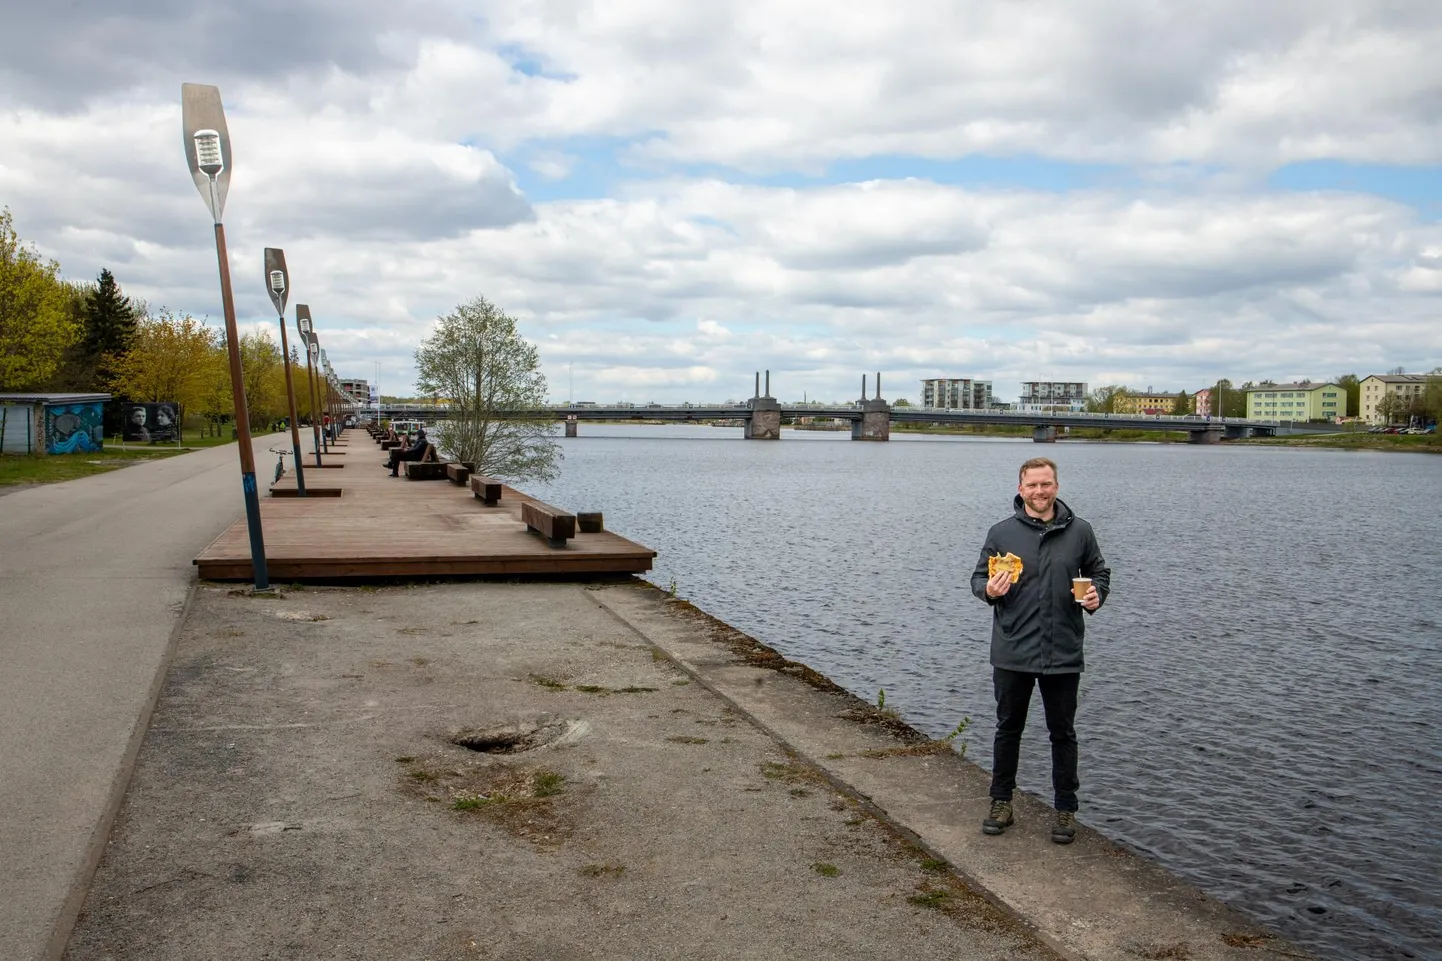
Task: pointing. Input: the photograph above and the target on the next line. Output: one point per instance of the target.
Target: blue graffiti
(73, 427)
(247, 482)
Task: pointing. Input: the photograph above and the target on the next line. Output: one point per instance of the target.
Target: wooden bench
(552, 523)
(388, 444)
(429, 467)
(458, 473)
(590, 522)
(486, 489)
(424, 470)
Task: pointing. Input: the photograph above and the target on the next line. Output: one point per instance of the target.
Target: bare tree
(478, 362)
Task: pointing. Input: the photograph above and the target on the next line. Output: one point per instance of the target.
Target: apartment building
(1146, 402)
(1052, 395)
(1404, 387)
(359, 391)
(956, 393)
(1301, 401)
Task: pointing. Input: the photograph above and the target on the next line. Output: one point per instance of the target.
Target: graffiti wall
(73, 427)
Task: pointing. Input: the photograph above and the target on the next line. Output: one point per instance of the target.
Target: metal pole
(878, 385)
(242, 420)
(314, 404)
(294, 420)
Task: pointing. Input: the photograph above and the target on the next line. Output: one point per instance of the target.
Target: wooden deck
(368, 524)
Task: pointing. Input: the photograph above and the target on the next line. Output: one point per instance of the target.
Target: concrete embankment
(526, 770)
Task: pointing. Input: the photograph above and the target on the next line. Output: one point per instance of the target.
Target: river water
(1261, 710)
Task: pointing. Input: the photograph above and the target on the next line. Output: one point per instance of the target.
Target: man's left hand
(1091, 600)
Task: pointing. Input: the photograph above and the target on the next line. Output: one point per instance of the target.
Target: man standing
(1036, 635)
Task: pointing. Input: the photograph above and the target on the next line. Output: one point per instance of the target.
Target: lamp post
(312, 357)
(207, 153)
(278, 283)
(322, 379)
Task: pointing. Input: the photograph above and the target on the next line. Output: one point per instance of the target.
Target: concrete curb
(100, 836)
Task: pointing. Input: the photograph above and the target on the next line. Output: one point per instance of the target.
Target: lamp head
(277, 278)
(207, 143)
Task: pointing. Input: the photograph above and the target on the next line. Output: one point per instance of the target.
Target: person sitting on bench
(415, 452)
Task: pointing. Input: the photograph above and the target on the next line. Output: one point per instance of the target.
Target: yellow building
(1405, 387)
(1150, 402)
(1304, 401)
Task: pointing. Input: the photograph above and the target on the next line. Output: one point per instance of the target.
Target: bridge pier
(571, 426)
(765, 420)
(875, 420)
(1204, 437)
(1045, 434)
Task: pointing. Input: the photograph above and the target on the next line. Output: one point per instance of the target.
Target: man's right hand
(999, 584)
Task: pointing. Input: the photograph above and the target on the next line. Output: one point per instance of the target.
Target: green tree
(1390, 406)
(260, 360)
(37, 325)
(1432, 396)
(1227, 400)
(171, 358)
(1183, 404)
(478, 359)
(1352, 385)
(1103, 400)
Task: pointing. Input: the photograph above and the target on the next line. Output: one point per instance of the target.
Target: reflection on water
(1260, 710)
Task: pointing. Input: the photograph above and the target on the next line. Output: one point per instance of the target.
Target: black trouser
(398, 455)
(1013, 698)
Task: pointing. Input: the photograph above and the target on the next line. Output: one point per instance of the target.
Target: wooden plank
(552, 523)
(381, 527)
(487, 490)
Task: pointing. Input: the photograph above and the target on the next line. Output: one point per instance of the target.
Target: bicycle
(280, 453)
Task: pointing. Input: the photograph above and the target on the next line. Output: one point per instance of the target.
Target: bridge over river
(871, 420)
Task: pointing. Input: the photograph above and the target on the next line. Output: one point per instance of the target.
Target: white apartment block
(1405, 387)
(956, 393)
(1052, 395)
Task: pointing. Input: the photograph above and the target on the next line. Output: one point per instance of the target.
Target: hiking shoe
(998, 819)
(1063, 829)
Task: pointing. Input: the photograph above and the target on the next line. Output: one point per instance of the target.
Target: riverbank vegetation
(32, 469)
(61, 336)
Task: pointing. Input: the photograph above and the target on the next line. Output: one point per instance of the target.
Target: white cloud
(372, 144)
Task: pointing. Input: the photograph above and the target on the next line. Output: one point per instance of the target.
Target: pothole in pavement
(518, 736)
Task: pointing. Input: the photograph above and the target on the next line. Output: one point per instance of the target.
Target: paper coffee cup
(1079, 586)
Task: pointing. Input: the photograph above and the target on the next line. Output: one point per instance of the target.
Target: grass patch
(54, 468)
(404, 759)
(547, 784)
(826, 870)
(934, 899)
(522, 799)
(550, 683)
(684, 739)
(598, 689)
(924, 749)
(933, 865)
(602, 870)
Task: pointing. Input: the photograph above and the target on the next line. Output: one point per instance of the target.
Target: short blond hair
(1036, 462)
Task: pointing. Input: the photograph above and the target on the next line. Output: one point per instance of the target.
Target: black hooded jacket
(1037, 626)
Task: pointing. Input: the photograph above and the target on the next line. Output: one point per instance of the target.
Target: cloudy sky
(672, 196)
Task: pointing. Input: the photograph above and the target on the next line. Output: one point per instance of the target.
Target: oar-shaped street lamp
(207, 153)
(278, 283)
(312, 358)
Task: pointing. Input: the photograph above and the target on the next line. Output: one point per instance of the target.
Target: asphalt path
(94, 576)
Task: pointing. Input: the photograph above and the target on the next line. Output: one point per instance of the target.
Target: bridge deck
(383, 526)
